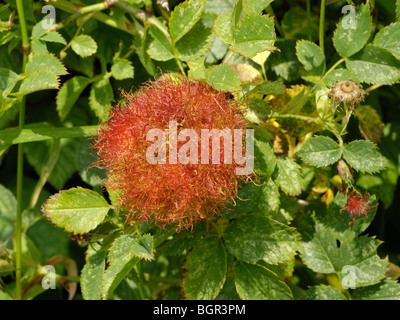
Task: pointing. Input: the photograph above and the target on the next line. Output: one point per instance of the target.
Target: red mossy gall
(357, 205)
(169, 192)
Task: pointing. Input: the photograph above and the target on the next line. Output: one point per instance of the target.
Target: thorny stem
(96, 7)
(138, 269)
(68, 278)
(322, 26)
(20, 160)
(309, 20)
(295, 116)
(180, 65)
(18, 136)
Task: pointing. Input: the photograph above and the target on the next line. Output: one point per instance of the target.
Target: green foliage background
(291, 238)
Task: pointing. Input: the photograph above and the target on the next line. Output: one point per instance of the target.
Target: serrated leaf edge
(54, 197)
(45, 69)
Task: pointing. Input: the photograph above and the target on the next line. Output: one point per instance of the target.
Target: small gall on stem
(357, 205)
(166, 190)
(349, 92)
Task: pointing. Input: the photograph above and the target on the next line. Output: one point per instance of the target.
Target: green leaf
(141, 43)
(121, 246)
(248, 196)
(320, 151)
(255, 6)
(69, 94)
(7, 36)
(204, 270)
(39, 80)
(184, 17)
(8, 79)
(8, 213)
(269, 88)
(222, 27)
(269, 199)
(259, 106)
(288, 176)
(122, 69)
(223, 77)
(265, 160)
(5, 296)
(351, 36)
(364, 156)
(254, 34)
(84, 159)
(358, 263)
(39, 47)
(39, 30)
(252, 238)
(311, 56)
(319, 248)
(385, 290)
(77, 210)
(160, 48)
(53, 36)
(144, 248)
(47, 62)
(115, 273)
(91, 276)
(121, 261)
(254, 282)
(15, 136)
(323, 292)
(374, 65)
(195, 43)
(141, 248)
(228, 291)
(84, 45)
(388, 38)
(355, 261)
(197, 69)
(100, 98)
(236, 16)
(213, 9)
(283, 270)
(339, 74)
